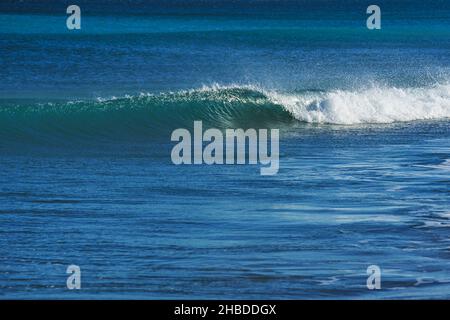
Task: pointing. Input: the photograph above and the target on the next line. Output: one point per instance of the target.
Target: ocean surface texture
(86, 176)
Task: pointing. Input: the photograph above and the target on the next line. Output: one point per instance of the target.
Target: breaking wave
(373, 105)
(223, 107)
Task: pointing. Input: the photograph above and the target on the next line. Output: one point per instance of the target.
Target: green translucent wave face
(145, 115)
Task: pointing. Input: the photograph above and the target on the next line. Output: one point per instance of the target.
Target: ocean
(86, 176)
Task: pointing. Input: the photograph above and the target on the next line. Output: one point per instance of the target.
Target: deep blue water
(86, 176)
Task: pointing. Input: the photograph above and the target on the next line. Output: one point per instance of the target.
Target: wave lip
(373, 105)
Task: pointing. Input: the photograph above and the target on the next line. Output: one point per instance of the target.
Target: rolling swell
(145, 115)
(156, 115)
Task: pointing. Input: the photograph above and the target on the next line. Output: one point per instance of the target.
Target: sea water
(86, 176)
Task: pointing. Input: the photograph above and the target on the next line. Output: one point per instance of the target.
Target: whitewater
(373, 105)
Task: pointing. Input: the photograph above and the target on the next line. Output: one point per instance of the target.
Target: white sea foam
(373, 105)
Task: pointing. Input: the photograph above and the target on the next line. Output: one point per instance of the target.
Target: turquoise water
(86, 176)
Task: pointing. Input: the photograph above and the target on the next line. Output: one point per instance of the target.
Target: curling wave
(222, 107)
